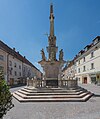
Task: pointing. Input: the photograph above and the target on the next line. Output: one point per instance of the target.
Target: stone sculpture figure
(52, 56)
(43, 54)
(61, 55)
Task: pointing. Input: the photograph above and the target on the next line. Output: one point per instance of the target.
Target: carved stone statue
(61, 54)
(43, 54)
(52, 56)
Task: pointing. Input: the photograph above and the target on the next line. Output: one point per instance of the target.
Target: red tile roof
(12, 52)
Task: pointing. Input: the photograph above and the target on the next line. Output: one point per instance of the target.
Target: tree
(5, 96)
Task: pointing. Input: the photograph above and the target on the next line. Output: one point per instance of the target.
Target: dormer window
(86, 48)
(95, 41)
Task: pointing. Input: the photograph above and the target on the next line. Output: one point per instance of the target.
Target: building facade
(16, 67)
(87, 63)
(69, 70)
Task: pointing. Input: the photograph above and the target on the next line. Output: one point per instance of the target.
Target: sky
(24, 23)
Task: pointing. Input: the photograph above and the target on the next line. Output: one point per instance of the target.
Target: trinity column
(51, 66)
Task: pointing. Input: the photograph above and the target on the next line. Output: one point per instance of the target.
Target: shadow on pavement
(96, 95)
(18, 85)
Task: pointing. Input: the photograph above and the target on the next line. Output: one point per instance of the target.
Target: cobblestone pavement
(58, 110)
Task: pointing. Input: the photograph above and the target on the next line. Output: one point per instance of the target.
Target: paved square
(58, 110)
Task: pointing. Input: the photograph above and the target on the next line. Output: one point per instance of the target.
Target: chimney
(18, 52)
(14, 49)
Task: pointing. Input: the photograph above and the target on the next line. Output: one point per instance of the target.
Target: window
(84, 59)
(19, 73)
(79, 79)
(10, 72)
(10, 63)
(92, 54)
(79, 62)
(84, 69)
(78, 70)
(15, 73)
(19, 67)
(15, 65)
(92, 65)
(1, 68)
(1, 57)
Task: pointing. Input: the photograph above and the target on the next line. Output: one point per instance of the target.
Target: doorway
(85, 80)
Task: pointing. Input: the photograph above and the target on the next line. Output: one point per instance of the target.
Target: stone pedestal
(51, 70)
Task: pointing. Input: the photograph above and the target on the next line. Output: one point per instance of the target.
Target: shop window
(93, 79)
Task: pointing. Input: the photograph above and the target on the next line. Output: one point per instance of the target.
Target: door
(85, 80)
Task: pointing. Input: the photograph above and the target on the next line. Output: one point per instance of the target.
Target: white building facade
(86, 66)
(88, 63)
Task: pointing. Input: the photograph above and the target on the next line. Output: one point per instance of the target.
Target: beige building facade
(16, 67)
(69, 71)
(3, 62)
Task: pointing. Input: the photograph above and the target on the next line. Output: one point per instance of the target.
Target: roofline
(12, 52)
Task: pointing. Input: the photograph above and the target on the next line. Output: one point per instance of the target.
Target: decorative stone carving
(61, 54)
(43, 54)
(52, 56)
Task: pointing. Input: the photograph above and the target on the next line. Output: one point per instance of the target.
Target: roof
(89, 46)
(11, 51)
(71, 63)
(96, 38)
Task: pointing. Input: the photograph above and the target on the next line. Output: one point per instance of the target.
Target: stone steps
(85, 98)
(29, 90)
(52, 95)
